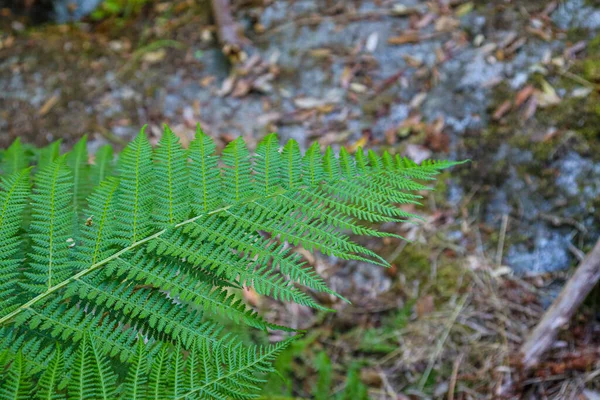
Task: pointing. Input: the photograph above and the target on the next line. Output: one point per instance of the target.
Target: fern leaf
(47, 386)
(92, 377)
(77, 160)
(164, 246)
(291, 165)
(177, 374)
(159, 375)
(137, 375)
(102, 166)
(233, 371)
(14, 192)
(224, 262)
(97, 233)
(204, 174)
(201, 294)
(171, 181)
(268, 165)
(237, 185)
(14, 158)
(17, 385)
(136, 197)
(50, 227)
(48, 154)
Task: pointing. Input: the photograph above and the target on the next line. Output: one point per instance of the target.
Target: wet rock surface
(405, 77)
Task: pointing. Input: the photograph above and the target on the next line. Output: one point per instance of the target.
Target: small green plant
(125, 8)
(116, 273)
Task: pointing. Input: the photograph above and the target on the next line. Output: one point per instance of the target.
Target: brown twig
(581, 283)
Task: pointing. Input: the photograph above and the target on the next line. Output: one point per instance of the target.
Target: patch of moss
(415, 263)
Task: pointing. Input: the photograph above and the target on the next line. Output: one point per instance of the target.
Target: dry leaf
(417, 153)
(47, 106)
(531, 107)
(502, 110)
(152, 57)
(359, 143)
(446, 23)
(523, 95)
(372, 41)
(464, 9)
(547, 97)
(425, 305)
(418, 99)
(371, 377)
(425, 20)
(407, 37)
(251, 296)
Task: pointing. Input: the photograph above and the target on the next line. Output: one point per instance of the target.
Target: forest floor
(512, 85)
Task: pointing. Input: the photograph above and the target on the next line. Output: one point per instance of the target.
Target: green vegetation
(116, 275)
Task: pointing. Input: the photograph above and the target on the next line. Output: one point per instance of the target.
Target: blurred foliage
(114, 8)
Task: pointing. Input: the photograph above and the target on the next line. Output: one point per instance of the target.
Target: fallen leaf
(425, 20)
(405, 38)
(412, 61)
(400, 10)
(227, 86)
(418, 100)
(242, 88)
(417, 153)
(153, 57)
(542, 34)
(47, 106)
(502, 110)
(371, 377)
(251, 296)
(446, 23)
(548, 96)
(523, 95)
(464, 9)
(372, 41)
(424, 305)
(531, 107)
(359, 143)
(207, 80)
(358, 87)
(581, 92)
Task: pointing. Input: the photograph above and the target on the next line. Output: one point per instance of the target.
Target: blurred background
(512, 85)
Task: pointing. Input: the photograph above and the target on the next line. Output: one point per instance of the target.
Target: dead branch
(574, 293)
(227, 29)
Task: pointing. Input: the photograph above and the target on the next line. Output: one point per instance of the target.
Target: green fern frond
(102, 166)
(48, 384)
(14, 192)
(50, 228)
(116, 275)
(14, 159)
(92, 376)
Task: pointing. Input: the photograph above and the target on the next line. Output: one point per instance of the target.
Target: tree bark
(574, 293)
